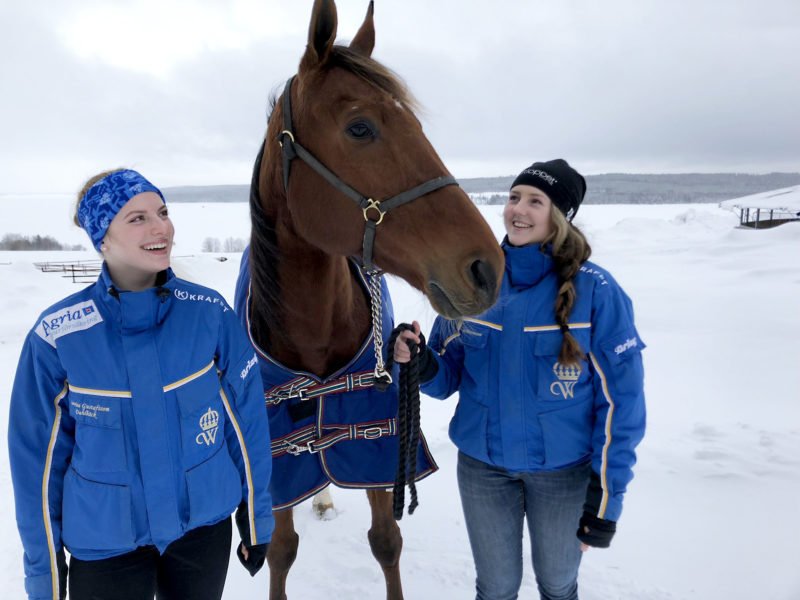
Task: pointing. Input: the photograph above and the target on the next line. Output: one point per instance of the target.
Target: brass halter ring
(281, 134)
(376, 204)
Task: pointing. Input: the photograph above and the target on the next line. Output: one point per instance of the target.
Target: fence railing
(80, 271)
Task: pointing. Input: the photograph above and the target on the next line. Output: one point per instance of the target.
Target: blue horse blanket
(350, 439)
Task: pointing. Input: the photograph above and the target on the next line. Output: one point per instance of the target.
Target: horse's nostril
(484, 276)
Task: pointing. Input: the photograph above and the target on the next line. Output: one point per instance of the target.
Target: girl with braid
(551, 403)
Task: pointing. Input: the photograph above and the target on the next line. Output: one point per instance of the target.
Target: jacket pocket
(475, 377)
(554, 381)
(96, 515)
(567, 433)
(214, 488)
(99, 434)
(623, 356)
(202, 418)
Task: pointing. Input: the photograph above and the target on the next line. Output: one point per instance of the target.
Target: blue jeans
(495, 503)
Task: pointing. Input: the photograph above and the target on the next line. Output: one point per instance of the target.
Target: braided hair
(569, 251)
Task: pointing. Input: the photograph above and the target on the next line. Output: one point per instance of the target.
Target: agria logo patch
(68, 320)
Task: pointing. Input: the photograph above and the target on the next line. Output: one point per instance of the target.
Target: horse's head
(357, 118)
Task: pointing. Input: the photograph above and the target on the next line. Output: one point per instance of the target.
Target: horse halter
(369, 207)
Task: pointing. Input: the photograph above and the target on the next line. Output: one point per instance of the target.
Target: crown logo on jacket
(209, 423)
(567, 378)
(566, 373)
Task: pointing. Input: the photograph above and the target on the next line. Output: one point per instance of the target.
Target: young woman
(137, 422)
(551, 403)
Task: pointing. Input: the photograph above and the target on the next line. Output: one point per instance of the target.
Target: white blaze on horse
(345, 186)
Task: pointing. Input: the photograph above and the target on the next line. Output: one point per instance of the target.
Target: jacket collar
(136, 311)
(526, 265)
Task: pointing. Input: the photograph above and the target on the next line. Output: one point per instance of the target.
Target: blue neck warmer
(526, 265)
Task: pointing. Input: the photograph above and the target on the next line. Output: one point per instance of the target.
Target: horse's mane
(265, 313)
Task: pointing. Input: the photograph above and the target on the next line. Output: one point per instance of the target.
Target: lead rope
(407, 424)
(383, 378)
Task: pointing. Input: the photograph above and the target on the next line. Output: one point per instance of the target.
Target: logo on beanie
(567, 378)
(541, 174)
(209, 424)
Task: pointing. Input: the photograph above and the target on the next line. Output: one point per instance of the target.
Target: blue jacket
(518, 407)
(135, 417)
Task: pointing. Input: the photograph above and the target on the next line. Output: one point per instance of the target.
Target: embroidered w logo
(209, 424)
(567, 378)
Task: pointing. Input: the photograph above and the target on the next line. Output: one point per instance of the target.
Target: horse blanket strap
(305, 388)
(305, 439)
(292, 149)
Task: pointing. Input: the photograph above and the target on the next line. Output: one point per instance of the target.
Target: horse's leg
(385, 541)
(281, 554)
(322, 505)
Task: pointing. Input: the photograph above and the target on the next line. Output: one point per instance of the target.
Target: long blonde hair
(569, 250)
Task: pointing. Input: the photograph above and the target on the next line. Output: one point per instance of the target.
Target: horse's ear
(364, 41)
(321, 34)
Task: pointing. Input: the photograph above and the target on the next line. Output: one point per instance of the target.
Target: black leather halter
(292, 149)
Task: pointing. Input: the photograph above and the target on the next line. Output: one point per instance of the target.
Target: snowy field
(712, 511)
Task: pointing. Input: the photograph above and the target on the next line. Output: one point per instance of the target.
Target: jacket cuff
(39, 587)
(594, 499)
(264, 528)
(428, 367)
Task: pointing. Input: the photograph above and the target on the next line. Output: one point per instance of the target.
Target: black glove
(256, 554)
(61, 564)
(596, 532)
(593, 530)
(428, 367)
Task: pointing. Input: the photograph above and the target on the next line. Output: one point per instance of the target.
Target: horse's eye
(360, 130)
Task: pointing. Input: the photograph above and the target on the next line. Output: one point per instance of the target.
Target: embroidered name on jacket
(567, 377)
(209, 424)
(68, 320)
(90, 411)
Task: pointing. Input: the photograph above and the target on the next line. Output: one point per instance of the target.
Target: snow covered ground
(712, 511)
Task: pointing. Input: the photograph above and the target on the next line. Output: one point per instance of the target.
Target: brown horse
(308, 309)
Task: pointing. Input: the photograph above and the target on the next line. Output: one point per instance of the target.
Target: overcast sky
(178, 88)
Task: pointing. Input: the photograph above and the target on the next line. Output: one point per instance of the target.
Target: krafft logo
(68, 320)
(184, 295)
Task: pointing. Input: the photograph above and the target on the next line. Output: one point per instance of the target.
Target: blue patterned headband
(104, 199)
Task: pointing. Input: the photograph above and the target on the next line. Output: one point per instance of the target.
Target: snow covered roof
(783, 200)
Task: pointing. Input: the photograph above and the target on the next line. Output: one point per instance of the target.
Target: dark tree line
(15, 241)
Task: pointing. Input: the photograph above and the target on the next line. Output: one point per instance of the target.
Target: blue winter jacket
(518, 407)
(135, 417)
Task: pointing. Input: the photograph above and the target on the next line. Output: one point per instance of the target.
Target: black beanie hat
(562, 184)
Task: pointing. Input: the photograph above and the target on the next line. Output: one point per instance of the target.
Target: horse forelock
(374, 73)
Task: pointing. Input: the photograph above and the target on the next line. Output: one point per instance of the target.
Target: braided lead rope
(407, 424)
